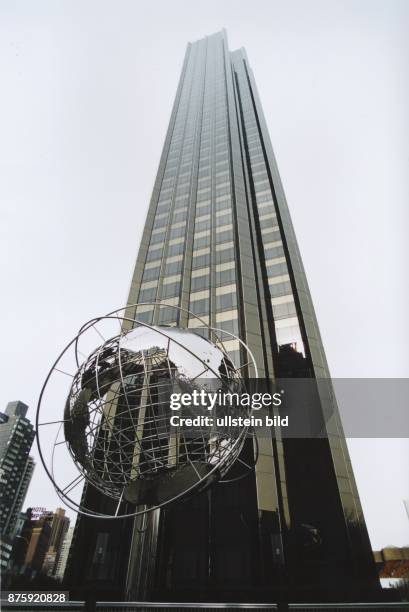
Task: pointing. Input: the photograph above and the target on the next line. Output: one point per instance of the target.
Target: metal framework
(115, 425)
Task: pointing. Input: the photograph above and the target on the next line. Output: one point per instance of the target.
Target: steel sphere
(115, 429)
(117, 414)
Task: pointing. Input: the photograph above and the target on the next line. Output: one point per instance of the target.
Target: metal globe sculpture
(116, 425)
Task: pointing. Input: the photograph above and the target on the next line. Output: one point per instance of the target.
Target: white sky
(87, 89)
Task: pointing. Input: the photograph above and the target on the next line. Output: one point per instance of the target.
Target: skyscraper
(16, 470)
(63, 557)
(16, 466)
(59, 526)
(36, 533)
(218, 242)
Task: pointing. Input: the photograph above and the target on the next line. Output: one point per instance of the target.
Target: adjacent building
(392, 563)
(38, 534)
(219, 243)
(16, 470)
(59, 526)
(38, 546)
(16, 466)
(64, 552)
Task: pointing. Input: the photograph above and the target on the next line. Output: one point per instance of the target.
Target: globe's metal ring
(91, 323)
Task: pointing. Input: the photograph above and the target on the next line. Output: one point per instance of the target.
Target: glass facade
(218, 242)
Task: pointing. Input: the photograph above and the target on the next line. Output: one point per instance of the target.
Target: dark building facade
(35, 542)
(219, 242)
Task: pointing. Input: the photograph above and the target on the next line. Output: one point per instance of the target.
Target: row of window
(226, 301)
(198, 282)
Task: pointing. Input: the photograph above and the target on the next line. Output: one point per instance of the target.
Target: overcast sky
(86, 94)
